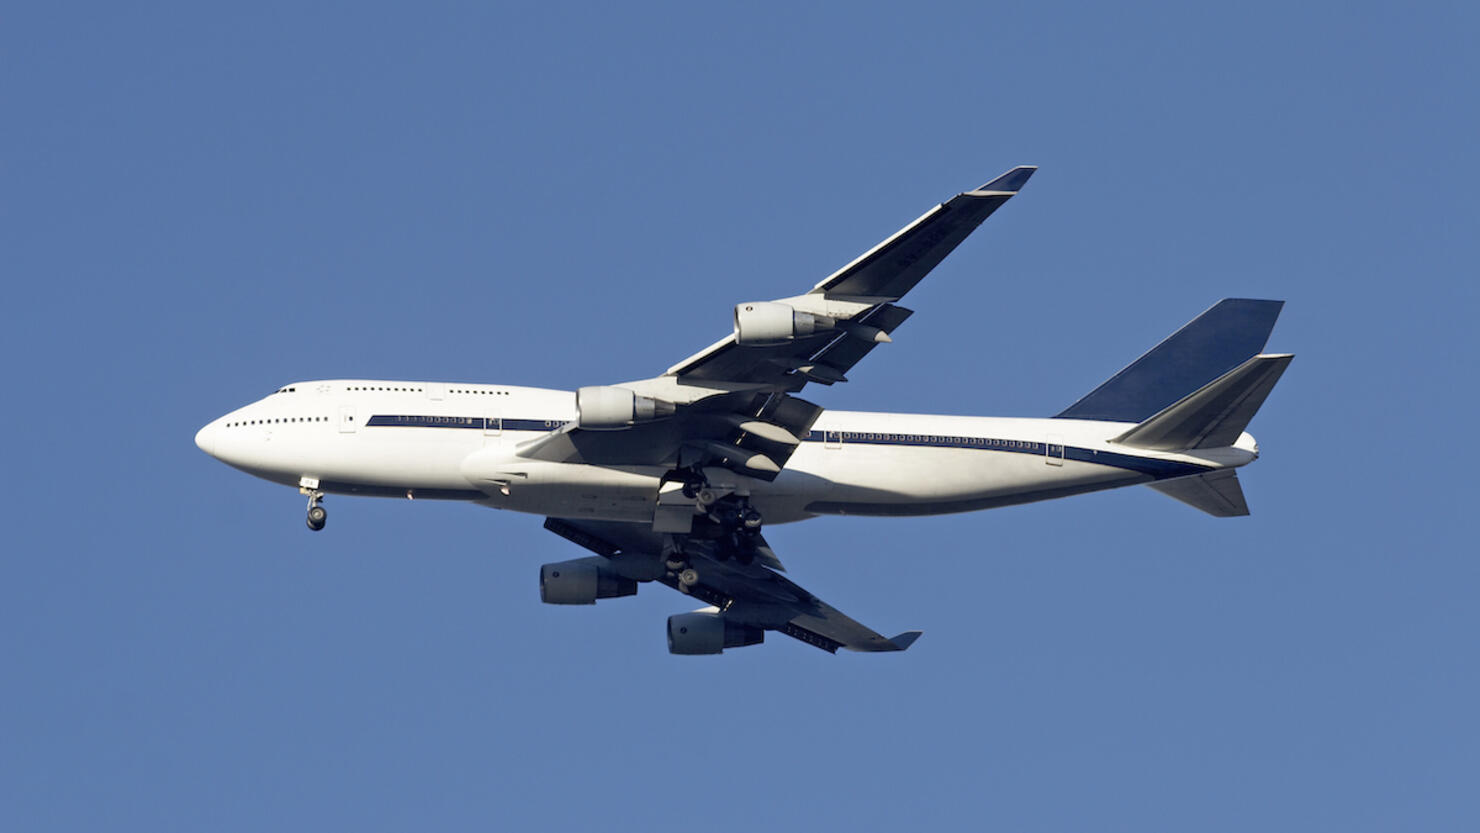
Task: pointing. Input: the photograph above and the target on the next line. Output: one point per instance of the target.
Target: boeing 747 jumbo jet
(670, 479)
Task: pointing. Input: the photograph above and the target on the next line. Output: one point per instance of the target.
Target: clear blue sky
(202, 204)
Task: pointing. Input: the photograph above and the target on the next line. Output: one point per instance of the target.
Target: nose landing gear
(317, 515)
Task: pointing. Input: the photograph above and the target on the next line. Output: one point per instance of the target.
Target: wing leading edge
(861, 294)
(718, 390)
(893, 267)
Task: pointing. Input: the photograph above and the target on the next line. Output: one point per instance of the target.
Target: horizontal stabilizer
(1210, 345)
(1218, 494)
(1216, 414)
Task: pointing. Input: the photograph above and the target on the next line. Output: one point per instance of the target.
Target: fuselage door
(493, 423)
(347, 424)
(832, 439)
(1053, 450)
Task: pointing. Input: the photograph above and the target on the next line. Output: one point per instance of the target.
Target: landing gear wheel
(317, 515)
(751, 519)
(688, 578)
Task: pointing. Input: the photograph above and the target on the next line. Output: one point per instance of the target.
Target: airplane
(671, 479)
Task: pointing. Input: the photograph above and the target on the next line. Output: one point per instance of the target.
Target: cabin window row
(275, 421)
(935, 439)
(433, 421)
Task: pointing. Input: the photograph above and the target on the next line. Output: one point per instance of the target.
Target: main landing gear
(693, 480)
(317, 515)
(681, 571)
(729, 521)
(721, 506)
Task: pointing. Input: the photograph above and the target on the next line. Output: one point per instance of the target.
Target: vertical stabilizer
(1209, 346)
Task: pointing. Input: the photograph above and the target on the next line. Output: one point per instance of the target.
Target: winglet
(1012, 181)
(906, 639)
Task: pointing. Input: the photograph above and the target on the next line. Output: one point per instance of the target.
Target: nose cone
(206, 439)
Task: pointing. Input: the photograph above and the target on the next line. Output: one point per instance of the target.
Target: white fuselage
(426, 440)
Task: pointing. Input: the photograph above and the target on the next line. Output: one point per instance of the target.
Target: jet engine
(603, 408)
(760, 323)
(707, 631)
(582, 582)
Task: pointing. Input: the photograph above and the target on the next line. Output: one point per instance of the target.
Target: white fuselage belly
(453, 441)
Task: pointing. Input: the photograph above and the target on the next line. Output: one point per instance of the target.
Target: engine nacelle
(760, 323)
(582, 582)
(708, 632)
(603, 408)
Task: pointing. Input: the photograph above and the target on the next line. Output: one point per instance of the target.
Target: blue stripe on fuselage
(1159, 469)
(475, 423)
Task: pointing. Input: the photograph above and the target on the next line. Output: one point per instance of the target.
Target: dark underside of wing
(748, 594)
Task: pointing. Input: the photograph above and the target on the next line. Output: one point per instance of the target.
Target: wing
(859, 297)
(752, 594)
(732, 404)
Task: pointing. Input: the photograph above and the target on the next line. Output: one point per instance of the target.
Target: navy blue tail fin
(1229, 333)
